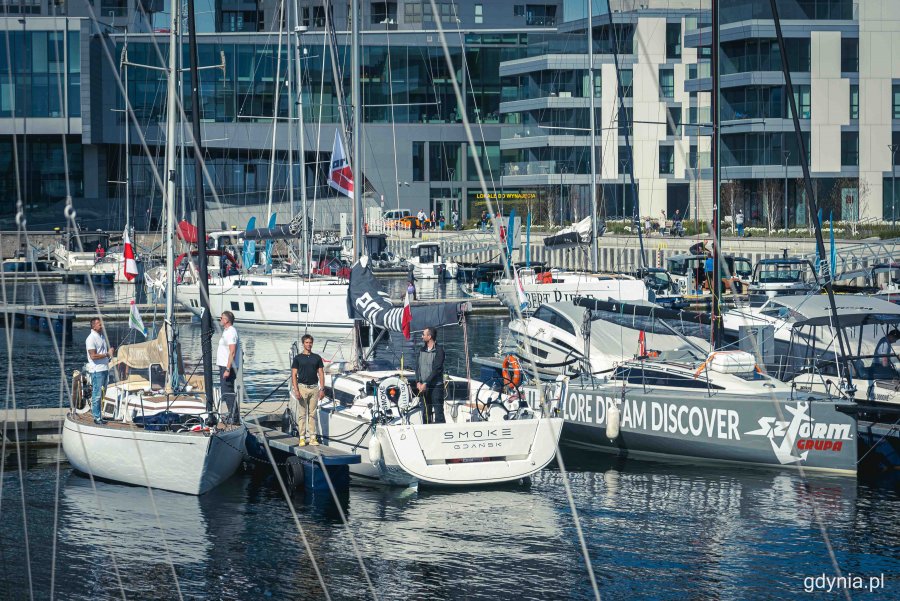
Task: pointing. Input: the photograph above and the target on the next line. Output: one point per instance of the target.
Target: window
(625, 122)
(895, 96)
(235, 306)
(849, 55)
(627, 77)
(666, 160)
(319, 16)
(624, 160)
(479, 13)
(854, 101)
(412, 12)
(801, 98)
(418, 161)
(248, 307)
(849, 149)
(519, 10)
(540, 15)
(692, 156)
(666, 82)
(673, 40)
(383, 12)
(673, 125)
(550, 316)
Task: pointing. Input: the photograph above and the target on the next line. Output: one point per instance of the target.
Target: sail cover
(366, 300)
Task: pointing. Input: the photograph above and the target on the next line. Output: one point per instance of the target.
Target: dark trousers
(228, 396)
(434, 404)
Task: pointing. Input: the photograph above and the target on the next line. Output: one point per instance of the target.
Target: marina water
(652, 529)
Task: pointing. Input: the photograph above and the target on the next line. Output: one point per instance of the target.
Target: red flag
(642, 344)
(406, 324)
(130, 269)
(340, 176)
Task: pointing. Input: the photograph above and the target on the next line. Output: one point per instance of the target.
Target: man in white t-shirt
(98, 355)
(228, 360)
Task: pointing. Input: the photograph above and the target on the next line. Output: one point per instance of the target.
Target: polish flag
(340, 176)
(130, 270)
(406, 323)
(642, 344)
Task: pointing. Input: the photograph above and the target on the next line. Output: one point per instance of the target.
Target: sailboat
(162, 431)
(495, 433)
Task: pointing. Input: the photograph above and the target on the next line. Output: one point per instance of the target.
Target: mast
(206, 327)
(825, 269)
(590, 40)
(622, 115)
(298, 90)
(281, 20)
(127, 139)
(171, 115)
(356, 101)
(714, 151)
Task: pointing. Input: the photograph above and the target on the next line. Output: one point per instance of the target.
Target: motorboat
(689, 273)
(552, 341)
(541, 285)
(77, 251)
(110, 269)
(426, 262)
(781, 277)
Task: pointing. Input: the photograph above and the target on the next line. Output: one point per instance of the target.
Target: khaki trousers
(304, 409)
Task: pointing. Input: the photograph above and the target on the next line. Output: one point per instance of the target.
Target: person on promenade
(413, 226)
(307, 388)
(455, 218)
(422, 219)
(98, 352)
(228, 360)
(411, 290)
(430, 376)
(739, 222)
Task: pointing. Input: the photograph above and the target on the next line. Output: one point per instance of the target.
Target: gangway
(857, 259)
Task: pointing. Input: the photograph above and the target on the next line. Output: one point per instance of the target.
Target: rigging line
(293, 510)
(279, 18)
(500, 243)
(393, 117)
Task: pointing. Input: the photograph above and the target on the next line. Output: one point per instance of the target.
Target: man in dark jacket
(430, 376)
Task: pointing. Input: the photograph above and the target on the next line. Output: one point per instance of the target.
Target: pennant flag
(642, 344)
(528, 241)
(135, 321)
(130, 269)
(520, 290)
(510, 233)
(249, 253)
(340, 176)
(269, 245)
(406, 323)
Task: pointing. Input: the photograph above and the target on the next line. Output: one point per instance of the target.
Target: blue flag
(269, 245)
(528, 242)
(510, 234)
(250, 247)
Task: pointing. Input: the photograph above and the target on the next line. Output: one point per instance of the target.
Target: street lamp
(893, 148)
(787, 155)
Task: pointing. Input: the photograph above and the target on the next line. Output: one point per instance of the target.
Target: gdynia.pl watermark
(824, 582)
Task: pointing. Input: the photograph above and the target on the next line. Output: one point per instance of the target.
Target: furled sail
(366, 300)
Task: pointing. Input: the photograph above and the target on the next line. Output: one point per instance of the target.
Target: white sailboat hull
(273, 301)
(190, 463)
(451, 454)
(566, 286)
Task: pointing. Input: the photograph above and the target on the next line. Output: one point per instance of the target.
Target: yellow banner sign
(507, 195)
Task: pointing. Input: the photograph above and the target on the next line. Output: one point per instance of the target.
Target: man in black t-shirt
(307, 387)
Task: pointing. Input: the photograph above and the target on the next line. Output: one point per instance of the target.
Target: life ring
(512, 371)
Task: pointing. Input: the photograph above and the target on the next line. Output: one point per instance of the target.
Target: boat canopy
(814, 310)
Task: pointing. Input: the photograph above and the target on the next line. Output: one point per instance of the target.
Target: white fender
(375, 454)
(612, 422)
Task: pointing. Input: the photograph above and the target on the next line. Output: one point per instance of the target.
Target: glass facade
(41, 76)
(849, 149)
(741, 10)
(761, 149)
(42, 174)
(755, 54)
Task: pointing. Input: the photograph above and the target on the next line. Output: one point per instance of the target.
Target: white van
(397, 214)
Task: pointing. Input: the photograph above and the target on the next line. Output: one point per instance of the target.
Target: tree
(731, 198)
(772, 194)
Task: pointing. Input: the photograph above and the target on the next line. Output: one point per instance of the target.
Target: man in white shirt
(98, 354)
(739, 222)
(228, 360)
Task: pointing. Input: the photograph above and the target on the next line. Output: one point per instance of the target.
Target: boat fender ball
(374, 450)
(612, 422)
